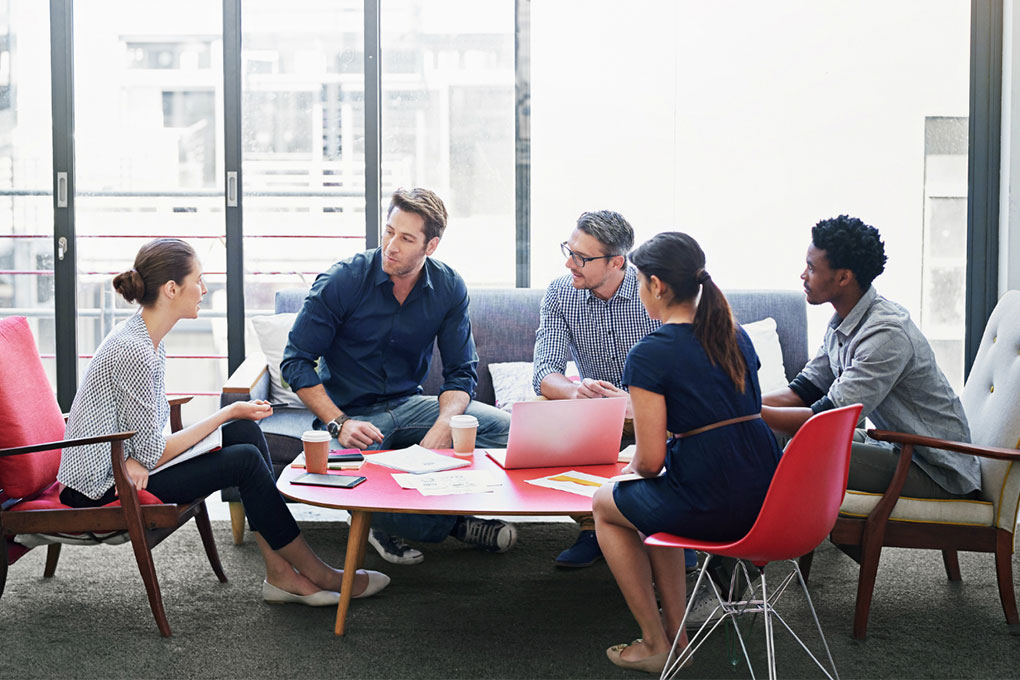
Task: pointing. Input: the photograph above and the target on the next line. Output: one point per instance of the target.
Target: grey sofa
(503, 321)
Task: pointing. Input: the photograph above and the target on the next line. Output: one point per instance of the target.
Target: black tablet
(339, 481)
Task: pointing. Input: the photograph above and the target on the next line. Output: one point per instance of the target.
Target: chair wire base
(733, 609)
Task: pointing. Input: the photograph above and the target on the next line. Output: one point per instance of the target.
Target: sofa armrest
(249, 381)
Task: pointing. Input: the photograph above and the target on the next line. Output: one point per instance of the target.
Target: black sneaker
(392, 549)
(493, 535)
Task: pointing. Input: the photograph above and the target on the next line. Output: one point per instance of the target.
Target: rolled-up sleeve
(139, 408)
(818, 373)
(552, 341)
(879, 358)
(457, 345)
(313, 332)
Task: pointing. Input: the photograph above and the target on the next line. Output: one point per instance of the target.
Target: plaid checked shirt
(596, 333)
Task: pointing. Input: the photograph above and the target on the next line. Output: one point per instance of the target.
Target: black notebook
(339, 481)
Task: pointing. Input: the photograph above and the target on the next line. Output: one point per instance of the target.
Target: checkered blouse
(123, 389)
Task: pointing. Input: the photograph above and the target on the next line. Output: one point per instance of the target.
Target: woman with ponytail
(123, 389)
(696, 377)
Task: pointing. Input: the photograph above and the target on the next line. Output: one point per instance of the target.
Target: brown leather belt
(721, 423)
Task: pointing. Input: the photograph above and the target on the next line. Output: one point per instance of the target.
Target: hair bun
(130, 285)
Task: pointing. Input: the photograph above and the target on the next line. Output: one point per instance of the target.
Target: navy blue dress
(715, 482)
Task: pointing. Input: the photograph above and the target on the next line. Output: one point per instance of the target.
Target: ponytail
(716, 330)
(679, 262)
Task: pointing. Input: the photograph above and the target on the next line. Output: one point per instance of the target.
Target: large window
(303, 131)
(448, 124)
(148, 143)
(744, 123)
(26, 180)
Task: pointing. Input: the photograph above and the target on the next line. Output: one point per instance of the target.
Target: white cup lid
(463, 421)
(315, 436)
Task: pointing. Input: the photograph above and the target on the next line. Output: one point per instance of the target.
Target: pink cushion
(29, 413)
(50, 500)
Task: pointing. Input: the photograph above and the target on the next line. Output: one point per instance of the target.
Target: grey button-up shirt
(877, 357)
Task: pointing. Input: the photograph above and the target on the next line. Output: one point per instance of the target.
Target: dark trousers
(242, 462)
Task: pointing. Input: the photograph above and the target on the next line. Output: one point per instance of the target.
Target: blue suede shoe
(584, 553)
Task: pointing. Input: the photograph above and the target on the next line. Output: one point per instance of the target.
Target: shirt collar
(627, 290)
(382, 277)
(856, 315)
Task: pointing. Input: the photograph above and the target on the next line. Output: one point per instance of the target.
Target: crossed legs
(636, 567)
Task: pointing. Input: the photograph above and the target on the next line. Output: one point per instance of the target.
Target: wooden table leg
(356, 541)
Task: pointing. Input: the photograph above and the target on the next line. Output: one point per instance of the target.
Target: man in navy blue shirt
(372, 319)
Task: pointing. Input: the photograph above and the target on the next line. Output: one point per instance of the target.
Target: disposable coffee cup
(464, 429)
(316, 445)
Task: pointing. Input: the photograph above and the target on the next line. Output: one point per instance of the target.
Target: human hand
(586, 389)
(358, 434)
(250, 410)
(137, 473)
(627, 469)
(611, 391)
(439, 436)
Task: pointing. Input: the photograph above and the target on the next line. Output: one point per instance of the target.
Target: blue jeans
(404, 422)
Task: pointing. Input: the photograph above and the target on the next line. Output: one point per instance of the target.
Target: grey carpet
(463, 614)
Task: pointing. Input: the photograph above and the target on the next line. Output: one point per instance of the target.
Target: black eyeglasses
(581, 260)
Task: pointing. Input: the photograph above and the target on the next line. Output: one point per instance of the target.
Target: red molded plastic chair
(799, 510)
(29, 492)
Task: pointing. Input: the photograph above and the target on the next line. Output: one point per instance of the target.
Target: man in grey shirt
(873, 354)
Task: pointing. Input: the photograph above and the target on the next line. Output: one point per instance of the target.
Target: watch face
(333, 428)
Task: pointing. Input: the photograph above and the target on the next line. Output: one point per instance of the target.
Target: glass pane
(448, 124)
(26, 171)
(303, 125)
(148, 152)
(744, 123)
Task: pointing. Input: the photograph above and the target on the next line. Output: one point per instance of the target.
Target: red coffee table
(380, 493)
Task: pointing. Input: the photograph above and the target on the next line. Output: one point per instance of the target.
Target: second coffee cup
(316, 446)
(464, 429)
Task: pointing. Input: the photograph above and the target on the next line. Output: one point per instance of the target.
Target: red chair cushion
(29, 413)
(50, 500)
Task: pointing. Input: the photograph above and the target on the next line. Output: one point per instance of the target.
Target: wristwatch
(334, 426)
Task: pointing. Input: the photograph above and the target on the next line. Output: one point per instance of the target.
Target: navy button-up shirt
(373, 348)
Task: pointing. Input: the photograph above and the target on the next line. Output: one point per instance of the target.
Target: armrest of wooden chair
(66, 443)
(885, 506)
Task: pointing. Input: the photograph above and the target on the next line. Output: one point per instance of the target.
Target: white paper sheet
(573, 481)
(449, 482)
(416, 460)
(213, 441)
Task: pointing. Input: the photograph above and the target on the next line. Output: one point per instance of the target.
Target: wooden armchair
(29, 492)
(991, 399)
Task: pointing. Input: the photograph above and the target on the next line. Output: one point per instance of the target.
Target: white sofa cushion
(272, 331)
(772, 374)
(511, 381)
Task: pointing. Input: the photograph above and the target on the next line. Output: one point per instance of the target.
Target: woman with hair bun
(123, 389)
(695, 376)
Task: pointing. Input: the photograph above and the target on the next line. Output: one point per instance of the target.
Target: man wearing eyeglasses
(593, 314)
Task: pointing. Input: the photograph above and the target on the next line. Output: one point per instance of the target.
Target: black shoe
(493, 535)
(584, 553)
